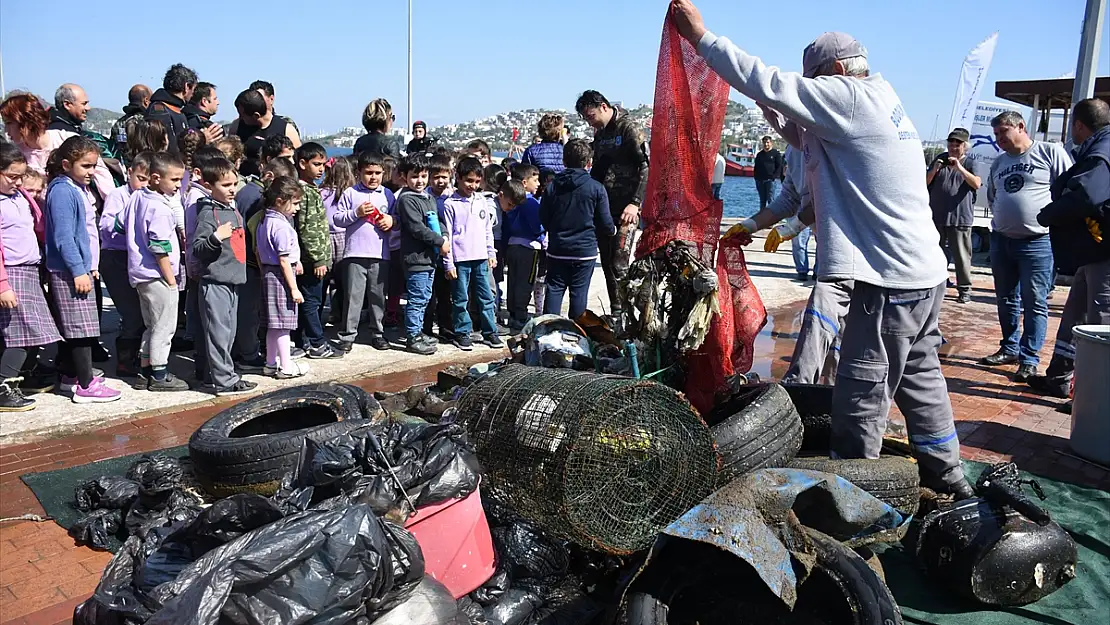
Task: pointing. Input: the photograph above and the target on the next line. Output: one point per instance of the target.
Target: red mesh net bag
(689, 113)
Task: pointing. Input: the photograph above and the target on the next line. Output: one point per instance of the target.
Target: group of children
(266, 252)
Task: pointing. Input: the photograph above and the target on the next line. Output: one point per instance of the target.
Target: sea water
(739, 194)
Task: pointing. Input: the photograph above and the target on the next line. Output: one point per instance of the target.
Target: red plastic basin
(456, 541)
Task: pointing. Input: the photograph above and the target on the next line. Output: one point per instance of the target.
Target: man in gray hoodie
(862, 159)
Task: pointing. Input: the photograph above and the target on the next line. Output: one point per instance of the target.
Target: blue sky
(327, 59)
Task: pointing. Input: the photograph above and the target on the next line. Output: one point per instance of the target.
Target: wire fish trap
(602, 460)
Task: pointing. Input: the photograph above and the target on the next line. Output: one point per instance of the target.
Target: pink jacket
(37, 157)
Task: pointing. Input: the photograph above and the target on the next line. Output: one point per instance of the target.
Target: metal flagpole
(1087, 66)
(408, 119)
(2, 91)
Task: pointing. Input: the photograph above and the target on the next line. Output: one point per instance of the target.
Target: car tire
(757, 428)
(894, 480)
(250, 446)
(814, 405)
(867, 598)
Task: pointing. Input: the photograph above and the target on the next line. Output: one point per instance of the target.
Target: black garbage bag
(388, 464)
(494, 589)
(566, 606)
(94, 528)
(107, 491)
(430, 604)
(515, 607)
(156, 474)
(115, 600)
(160, 509)
(471, 610)
(527, 552)
(217, 525)
(319, 567)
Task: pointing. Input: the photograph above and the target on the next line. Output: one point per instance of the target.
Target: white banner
(972, 79)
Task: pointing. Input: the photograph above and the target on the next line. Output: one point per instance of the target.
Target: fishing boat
(740, 161)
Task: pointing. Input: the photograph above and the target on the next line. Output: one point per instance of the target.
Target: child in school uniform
(440, 170)
(70, 261)
(113, 266)
(191, 195)
(280, 258)
(422, 243)
(251, 205)
(524, 236)
(219, 246)
(339, 177)
(469, 226)
(314, 238)
(366, 212)
(154, 267)
(25, 321)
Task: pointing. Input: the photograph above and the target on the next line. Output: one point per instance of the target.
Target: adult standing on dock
(768, 169)
(621, 166)
(952, 185)
(863, 168)
(1078, 221)
(1021, 182)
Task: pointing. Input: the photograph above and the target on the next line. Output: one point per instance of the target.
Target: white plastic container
(1090, 413)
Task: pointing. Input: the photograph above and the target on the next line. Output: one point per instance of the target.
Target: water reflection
(775, 342)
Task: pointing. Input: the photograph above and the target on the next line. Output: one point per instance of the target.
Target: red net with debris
(690, 101)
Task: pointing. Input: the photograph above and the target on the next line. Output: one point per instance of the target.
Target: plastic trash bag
(430, 604)
(160, 509)
(514, 608)
(107, 491)
(495, 587)
(217, 525)
(115, 601)
(391, 465)
(156, 474)
(526, 552)
(566, 607)
(324, 568)
(94, 528)
(471, 610)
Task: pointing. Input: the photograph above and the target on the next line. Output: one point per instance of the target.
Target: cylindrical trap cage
(602, 460)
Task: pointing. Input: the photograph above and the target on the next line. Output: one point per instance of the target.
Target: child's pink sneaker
(97, 393)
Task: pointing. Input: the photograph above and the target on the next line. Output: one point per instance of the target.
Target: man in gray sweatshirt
(863, 167)
(1021, 180)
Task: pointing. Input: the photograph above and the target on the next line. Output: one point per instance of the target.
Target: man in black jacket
(202, 106)
(768, 169)
(620, 164)
(71, 108)
(167, 103)
(1079, 226)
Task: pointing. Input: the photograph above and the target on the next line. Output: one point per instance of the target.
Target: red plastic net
(690, 101)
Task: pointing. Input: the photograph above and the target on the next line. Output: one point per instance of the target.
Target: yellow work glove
(1096, 232)
(746, 226)
(783, 232)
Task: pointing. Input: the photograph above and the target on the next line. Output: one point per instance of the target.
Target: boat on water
(740, 161)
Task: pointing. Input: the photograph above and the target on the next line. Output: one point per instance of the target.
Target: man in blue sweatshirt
(863, 168)
(575, 213)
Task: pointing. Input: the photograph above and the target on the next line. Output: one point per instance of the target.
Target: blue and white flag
(972, 79)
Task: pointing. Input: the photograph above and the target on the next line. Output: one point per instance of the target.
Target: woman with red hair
(25, 120)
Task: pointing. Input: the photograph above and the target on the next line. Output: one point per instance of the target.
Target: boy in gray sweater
(220, 247)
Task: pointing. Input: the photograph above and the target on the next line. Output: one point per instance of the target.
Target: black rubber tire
(250, 446)
(869, 598)
(891, 479)
(757, 428)
(814, 405)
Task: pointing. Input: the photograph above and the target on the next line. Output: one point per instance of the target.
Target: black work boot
(999, 358)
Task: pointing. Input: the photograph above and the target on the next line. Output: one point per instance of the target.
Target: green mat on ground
(54, 489)
(1083, 512)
